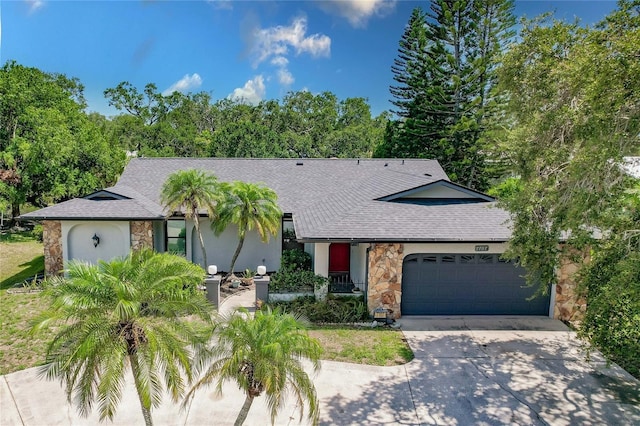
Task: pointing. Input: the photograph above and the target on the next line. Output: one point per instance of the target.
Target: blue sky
(250, 49)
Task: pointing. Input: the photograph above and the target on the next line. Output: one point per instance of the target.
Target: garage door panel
(466, 284)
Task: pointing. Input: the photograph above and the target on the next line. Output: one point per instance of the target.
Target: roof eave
(400, 240)
(91, 218)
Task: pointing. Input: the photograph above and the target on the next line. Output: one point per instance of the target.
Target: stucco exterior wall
(321, 259)
(359, 263)
(159, 235)
(52, 241)
(220, 249)
(115, 240)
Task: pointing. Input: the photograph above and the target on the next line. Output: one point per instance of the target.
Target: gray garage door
(466, 284)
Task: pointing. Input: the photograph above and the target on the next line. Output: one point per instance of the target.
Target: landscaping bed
(226, 290)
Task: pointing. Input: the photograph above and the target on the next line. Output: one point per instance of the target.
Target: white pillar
(321, 259)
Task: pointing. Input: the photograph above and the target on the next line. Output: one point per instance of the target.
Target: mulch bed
(226, 290)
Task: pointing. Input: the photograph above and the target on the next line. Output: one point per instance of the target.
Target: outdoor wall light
(262, 270)
(212, 269)
(96, 240)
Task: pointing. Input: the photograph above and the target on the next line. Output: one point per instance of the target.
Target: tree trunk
(236, 254)
(242, 415)
(146, 412)
(15, 212)
(196, 222)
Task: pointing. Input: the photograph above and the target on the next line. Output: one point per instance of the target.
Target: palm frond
(263, 354)
(126, 314)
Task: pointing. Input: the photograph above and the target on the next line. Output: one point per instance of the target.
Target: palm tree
(249, 206)
(192, 190)
(129, 313)
(264, 354)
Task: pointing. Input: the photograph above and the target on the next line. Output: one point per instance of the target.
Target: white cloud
(34, 5)
(358, 12)
(185, 84)
(277, 42)
(252, 92)
(285, 77)
(280, 61)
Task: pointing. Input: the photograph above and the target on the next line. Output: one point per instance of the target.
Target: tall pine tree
(445, 72)
(418, 84)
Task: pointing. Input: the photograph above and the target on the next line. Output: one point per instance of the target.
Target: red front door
(339, 257)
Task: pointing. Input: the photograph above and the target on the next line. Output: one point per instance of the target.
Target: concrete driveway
(467, 371)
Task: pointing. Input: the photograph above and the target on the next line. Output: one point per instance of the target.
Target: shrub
(331, 310)
(288, 280)
(612, 320)
(37, 232)
(295, 260)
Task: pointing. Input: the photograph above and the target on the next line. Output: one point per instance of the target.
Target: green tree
(445, 75)
(264, 354)
(192, 191)
(160, 125)
(422, 119)
(129, 313)
(50, 150)
(571, 124)
(612, 282)
(150, 106)
(248, 206)
(245, 138)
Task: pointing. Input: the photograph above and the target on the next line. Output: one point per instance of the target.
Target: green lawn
(19, 349)
(20, 258)
(376, 346)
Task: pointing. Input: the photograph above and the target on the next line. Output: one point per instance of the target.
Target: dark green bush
(288, 280)
(331, 310)
(295, 260)
(612, 320)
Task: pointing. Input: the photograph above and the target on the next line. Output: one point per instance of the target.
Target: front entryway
(339, 258)
(466, 284)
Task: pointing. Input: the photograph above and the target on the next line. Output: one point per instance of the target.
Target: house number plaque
(482, 248)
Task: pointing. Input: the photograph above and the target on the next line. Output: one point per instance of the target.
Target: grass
(21, 258)
(18, 348)
(376, 346)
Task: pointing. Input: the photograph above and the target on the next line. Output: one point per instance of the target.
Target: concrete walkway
(467, 370)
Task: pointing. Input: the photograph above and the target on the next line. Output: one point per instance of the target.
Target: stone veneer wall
(385, 277)
(52, 241)
(141, 234)
(570, 304)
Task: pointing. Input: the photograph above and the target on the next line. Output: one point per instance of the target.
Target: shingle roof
(329, 198)
(80, 208)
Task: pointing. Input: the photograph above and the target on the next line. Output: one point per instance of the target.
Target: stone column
(141, 234)
(570, 302)
(52, 239)
(385, 277)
